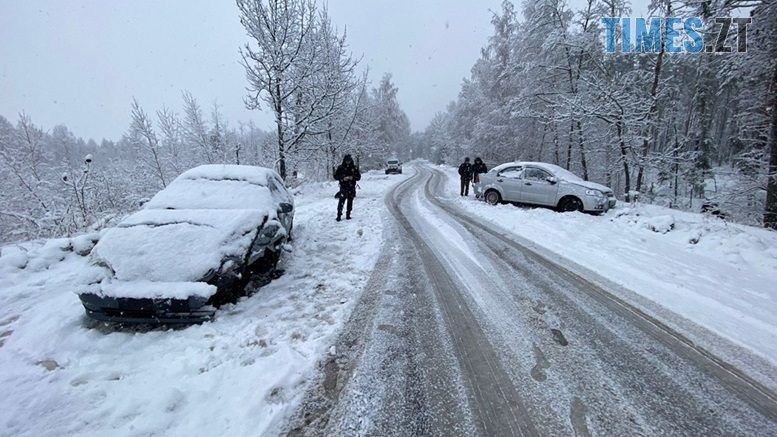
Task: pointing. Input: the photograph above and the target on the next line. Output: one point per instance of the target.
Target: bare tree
(298, 66)
(142, 133)
(195, 130)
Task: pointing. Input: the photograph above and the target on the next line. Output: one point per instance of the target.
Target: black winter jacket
(348, 188)
(465, 171)
(479, 168)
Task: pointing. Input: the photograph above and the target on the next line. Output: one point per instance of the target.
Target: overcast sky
(80, 62)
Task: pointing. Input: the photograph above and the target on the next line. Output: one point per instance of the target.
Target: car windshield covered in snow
(222, 187)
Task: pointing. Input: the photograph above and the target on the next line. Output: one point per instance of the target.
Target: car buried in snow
(543, 184)
(191, 248)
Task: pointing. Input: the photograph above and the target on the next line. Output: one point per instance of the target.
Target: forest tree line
(53, 183)
(682, 130)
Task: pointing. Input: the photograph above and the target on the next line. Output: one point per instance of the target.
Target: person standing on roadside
(347, 174)
(478, 168)
(465, 174)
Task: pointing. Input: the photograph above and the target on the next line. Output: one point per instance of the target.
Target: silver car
(539, 183)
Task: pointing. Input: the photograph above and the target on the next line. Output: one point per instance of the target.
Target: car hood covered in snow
(176, 245)
(591, 185)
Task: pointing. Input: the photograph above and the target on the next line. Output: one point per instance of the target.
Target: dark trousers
(464, 187)
(340, 205)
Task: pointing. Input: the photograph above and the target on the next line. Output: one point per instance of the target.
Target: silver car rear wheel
(493, 197)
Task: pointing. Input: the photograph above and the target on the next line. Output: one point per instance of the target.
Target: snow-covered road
(427, 314)
(465, 330)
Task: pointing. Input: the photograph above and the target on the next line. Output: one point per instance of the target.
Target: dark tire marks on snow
(496, 403)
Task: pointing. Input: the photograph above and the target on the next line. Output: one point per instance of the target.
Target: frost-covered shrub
(661, 224)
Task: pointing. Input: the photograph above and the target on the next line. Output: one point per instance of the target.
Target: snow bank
(13, 257)
(719, 275)
(241, 374)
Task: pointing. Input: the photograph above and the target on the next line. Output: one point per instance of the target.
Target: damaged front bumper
(192, 310)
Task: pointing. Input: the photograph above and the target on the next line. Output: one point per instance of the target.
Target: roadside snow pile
(83, 244)
(13, 258)
(241, 374)
(36, 256)
(661, 223)
(719, 275)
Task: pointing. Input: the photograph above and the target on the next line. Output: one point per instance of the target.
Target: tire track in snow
(394, 372)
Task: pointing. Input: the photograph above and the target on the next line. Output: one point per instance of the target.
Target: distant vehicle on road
(194, 246)
(393, 166)
(539, 183)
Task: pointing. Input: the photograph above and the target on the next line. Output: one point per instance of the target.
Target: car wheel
(493, 197)
(570, 204)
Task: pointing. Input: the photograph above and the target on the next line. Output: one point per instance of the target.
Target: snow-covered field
(241, 374)
(719, 275)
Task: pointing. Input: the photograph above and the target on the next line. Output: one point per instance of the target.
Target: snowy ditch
(241, 374)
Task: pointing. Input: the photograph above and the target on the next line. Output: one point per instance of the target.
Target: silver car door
(509, 180)
(536, 188)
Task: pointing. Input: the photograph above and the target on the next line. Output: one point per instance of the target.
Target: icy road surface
(463, 330)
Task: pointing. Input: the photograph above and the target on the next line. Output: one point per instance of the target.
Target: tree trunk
(571, 142)
(770, 208)
(581, 144)
(281, 139)
(624, 157)
(653, 105)
(542, 141)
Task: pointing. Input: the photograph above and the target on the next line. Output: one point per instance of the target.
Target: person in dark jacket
(465, 174)
(347, 174)
(478, 168)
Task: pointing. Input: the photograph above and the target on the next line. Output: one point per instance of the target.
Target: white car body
(539, 183)
(393, 166)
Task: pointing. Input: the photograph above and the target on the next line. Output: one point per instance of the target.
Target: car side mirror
(552, 180)
(285, 208)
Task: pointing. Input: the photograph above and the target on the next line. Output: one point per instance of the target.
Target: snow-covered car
(393, 166)
(194, 246)
(539, 183)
